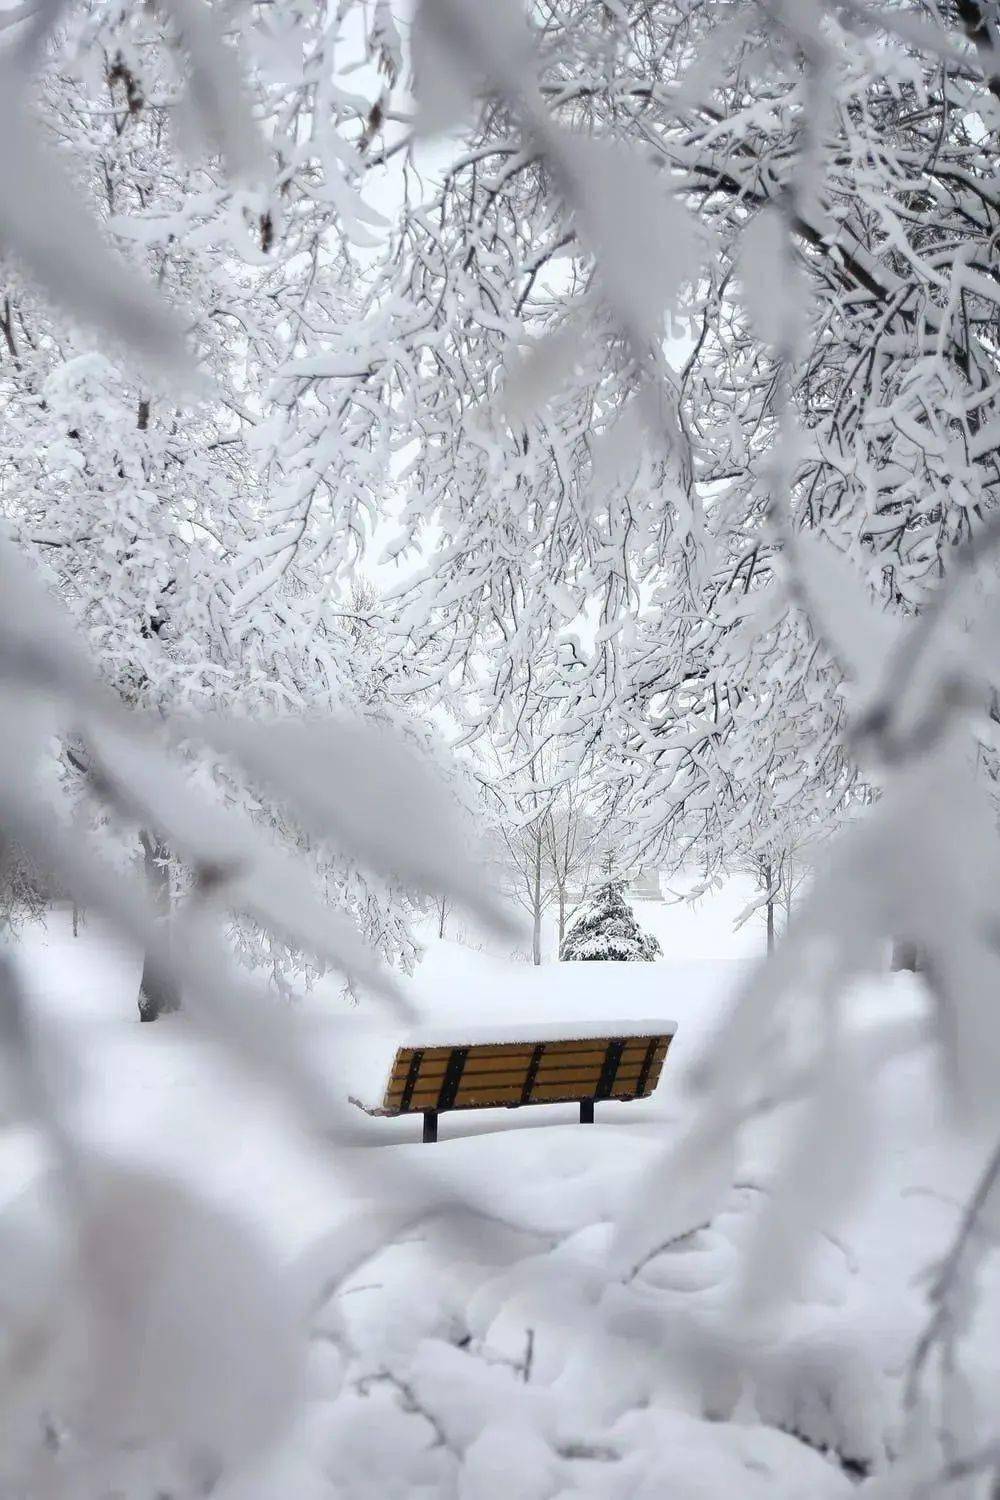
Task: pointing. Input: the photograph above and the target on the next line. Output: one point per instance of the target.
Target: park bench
(534, 1065)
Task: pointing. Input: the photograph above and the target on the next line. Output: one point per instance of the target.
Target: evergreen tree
(607, 930)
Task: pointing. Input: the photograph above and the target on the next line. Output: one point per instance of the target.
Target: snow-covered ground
(482, 1348)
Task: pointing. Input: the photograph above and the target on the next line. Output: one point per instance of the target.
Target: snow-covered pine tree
(607, 930)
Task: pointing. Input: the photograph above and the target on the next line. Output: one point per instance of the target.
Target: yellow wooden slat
(511, 1092)
(521, 1049)
(502, 1098)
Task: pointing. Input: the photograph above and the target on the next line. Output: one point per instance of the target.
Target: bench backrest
(491, 1074)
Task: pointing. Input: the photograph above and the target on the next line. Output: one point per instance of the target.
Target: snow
(476, 1342)
(484, 1033)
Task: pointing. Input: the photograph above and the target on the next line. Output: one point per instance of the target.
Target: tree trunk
(562, 917)
(905, 956)
(536, 938)
(443, 911)
(158, 994)
(770, 908)
(536, 907)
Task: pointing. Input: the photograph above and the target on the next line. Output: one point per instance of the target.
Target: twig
(407, 1400)
(962, 1468)
(676, 1239)
(948, 1274)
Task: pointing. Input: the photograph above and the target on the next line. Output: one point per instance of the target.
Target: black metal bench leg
(430, 1124)
(586, 1111)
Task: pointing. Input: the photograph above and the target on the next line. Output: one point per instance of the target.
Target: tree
(569, 471)
(606, 930)
(158, 993)
(151, 516)
(441, 912)
(572, 831)
(542, 809)
(523, 840)
(23, 895)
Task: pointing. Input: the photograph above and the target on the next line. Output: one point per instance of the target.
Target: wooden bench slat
(435, 1060)
(507, 1092)
(521, 1049)
(511, 1092)
(480, 1049)
(549, 1093)
(573, 1082)
(552, 1071)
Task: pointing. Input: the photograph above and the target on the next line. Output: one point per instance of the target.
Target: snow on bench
(512, 1066)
